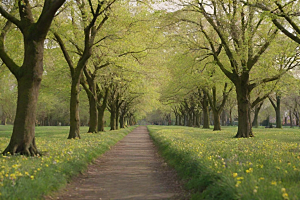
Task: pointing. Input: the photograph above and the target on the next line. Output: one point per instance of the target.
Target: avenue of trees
(87, 62)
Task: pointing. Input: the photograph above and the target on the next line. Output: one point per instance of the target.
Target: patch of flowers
(263, 167)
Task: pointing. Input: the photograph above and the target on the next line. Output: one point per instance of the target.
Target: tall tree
(92, 21)
(29, 73)
(217, 107)
(239, 31)
(88, 81)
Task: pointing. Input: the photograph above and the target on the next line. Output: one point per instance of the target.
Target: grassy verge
(32, 177)
(218, 166)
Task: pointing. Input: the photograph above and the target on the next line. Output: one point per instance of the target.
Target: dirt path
(132, 169)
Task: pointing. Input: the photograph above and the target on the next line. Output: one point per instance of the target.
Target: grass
(24, 177)
(218, 166)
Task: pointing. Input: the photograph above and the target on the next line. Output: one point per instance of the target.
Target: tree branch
(10, 18)
(66, 54)
(8, 61)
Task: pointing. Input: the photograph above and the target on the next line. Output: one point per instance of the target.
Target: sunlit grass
(218, 166)
(24, 177)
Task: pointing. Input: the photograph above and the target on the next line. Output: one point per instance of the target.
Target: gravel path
(132, 169)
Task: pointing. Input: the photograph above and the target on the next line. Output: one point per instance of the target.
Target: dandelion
(249, 170)
(285, 196)
(31, 177)
(234, 175)
(274, 183)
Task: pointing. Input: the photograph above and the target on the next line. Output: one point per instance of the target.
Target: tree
(88, 81)
(276, 103)
(216, 107)
(90, 30)
(232, 31)
(29, 73)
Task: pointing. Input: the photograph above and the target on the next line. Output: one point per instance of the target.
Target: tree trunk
(223, 117)
(244, 111)
(117, 116)
(217, 124)
(93, 114)
(113, 118)
(74, 110)
(291, 119)
(122, 121)
(230, 117)
(205, 109)
(101, 119)
(194, 119)
(176, 119)
(4, 119)
(278, 112)
(190, 121)
(256, 112)
(198, 117)
(23, 136)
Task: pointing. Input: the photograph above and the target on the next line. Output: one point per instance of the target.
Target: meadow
(24, 177)
(215, 165)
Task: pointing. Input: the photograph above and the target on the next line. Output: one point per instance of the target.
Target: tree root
(22, 149)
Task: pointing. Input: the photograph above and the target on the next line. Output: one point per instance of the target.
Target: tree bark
(217, 124)
(291, 118)
(276, 106)
(179, 120)
(205, 109)
(93, 111)
(117, 115)
(223, 118)
(74, 111)
(23, 136)
(101, 119)
(113, 118)
(256, 112)
(101, 107)
(198, 117)
(190, 121)
(176, 119)
(4, 119)
(244, 111)
(122, 121)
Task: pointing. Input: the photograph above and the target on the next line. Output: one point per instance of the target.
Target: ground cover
(24, 177)
(218, 166)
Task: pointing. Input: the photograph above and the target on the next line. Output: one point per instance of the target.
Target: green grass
(218, 166)
(24, 177)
